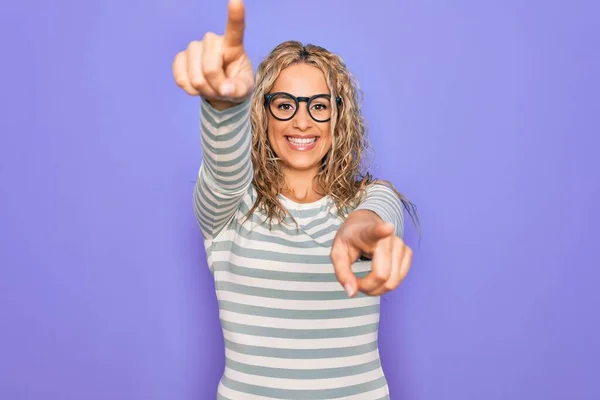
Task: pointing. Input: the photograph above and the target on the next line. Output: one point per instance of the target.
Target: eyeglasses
(284, 106)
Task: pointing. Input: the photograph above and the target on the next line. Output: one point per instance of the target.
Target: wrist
(222, 105)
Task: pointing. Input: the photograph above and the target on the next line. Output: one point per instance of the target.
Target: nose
(302, 119)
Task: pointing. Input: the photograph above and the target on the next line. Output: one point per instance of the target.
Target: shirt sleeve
(384, 202)
(226, 171)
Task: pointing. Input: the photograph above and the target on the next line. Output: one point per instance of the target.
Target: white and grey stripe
(290, 330)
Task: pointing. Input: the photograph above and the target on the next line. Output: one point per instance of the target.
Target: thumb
(236, 88)
(376, 232)
(342, 265)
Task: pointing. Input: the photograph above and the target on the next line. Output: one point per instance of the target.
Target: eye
(285, 106)
(319, 107)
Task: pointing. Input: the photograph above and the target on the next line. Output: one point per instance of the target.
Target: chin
(303, 160)
(301, 165)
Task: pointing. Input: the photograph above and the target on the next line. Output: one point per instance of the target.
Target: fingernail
(349, 289)
(226, 89)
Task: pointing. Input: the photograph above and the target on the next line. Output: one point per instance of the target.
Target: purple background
(485, 113)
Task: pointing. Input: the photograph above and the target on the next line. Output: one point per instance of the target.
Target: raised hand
(217, 68)
(363, 233)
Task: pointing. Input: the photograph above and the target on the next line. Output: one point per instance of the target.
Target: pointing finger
(234, 32)
(342, 265)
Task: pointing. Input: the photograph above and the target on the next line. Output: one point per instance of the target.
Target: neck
(300, 186)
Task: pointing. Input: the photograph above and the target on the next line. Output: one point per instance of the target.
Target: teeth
(302, 140)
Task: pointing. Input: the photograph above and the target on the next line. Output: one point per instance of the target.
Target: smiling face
(300, 142)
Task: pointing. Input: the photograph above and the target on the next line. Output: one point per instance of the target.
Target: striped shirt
(290, 330)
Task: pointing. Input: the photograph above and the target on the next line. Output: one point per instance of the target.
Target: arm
(218, 70)
(383, 203)
(226, 170)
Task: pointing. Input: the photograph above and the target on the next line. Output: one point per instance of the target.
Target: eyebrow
(293, 94)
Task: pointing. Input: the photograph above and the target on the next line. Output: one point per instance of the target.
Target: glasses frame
(297, 100)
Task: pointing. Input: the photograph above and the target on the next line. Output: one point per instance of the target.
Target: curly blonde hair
(341, 174)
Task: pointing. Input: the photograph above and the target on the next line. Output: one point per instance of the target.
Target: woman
(285, 215)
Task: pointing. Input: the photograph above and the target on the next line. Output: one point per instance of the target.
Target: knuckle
(212, 38)
(177, 65)
(194, 43)
(181, 81)
(380, 276)
(336, 246)
(197, 81)
(404, 273)
(210, 69)
(336, 253)
(178, 58)
(208, 36)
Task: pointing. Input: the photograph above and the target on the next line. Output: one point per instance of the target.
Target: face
(301, 142)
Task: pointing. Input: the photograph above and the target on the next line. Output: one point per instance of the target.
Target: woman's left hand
(364, 233)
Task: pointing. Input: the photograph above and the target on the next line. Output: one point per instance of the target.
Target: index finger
(342, 266)
(234, 32)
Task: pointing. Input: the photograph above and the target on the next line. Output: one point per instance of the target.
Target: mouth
(302, 143)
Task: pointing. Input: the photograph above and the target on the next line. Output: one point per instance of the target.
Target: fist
(217, 67)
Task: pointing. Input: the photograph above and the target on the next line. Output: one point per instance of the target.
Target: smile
(301, 144)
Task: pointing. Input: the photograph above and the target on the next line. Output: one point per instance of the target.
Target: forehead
(301, 80)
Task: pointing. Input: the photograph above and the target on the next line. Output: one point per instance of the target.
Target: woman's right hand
(217, 68)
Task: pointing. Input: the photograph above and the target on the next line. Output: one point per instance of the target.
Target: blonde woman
(301, 244)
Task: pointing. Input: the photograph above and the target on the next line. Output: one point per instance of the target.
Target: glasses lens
(320, 108)
(283, 106)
